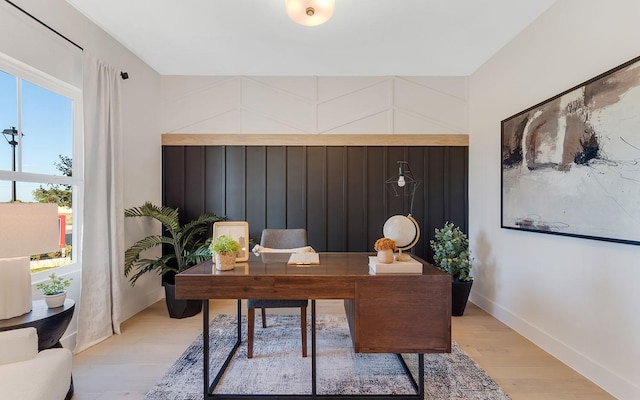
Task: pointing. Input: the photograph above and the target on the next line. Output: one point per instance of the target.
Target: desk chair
(278, 239)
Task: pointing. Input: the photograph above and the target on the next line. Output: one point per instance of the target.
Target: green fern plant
(451, 252)
(224, 245)
(56, 285)
(188, 242)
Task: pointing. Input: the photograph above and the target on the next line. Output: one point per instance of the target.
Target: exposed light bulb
(401, 181)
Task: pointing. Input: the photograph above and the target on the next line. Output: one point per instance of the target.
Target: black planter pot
(459, 296)
(180, 308)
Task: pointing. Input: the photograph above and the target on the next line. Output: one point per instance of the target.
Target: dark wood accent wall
(337, 193)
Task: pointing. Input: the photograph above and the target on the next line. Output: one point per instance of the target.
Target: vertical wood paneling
(194, 183)
(425, 205)
(436, 195)
(235, 199)
(173, 176)
(215, 178)
(437, 186)
(256, 189)
(276, 188)
(457, 187)
(336, 198)
(337, 193)
(416, 158)
(356, 215)
(317, 197)
(376, 193)
(296, 187)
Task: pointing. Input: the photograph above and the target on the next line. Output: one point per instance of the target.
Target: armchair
(27, 374)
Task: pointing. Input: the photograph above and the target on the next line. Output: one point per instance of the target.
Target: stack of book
(409, 266)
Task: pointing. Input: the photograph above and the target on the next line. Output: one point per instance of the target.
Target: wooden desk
(387, 313)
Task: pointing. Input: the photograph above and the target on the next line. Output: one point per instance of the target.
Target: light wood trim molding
(244, 139)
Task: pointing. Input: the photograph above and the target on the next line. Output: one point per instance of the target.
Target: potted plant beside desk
(187, 245)
(452, 255)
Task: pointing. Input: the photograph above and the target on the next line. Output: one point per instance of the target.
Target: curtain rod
(45, 25)
(124, 75)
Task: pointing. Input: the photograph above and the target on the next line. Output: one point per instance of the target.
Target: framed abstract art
(571, 164)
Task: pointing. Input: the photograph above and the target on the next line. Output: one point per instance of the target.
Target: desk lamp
(25, 229)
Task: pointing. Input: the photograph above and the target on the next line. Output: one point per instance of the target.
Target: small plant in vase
(385, 248)
(55, 290)
(225, 250)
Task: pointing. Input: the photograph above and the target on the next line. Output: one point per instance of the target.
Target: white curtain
(103, 228)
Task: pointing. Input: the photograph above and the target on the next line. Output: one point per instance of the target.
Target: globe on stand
(404, 230)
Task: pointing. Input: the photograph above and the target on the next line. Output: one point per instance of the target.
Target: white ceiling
(364, 37)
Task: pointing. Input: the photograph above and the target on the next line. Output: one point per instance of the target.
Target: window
(40, 151)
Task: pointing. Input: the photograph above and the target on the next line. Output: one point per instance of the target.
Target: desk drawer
(401, 314)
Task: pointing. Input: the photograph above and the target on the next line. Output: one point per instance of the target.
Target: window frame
(53, 84)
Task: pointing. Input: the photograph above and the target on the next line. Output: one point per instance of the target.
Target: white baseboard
(614, 384)
(68, 340)
(142, 301)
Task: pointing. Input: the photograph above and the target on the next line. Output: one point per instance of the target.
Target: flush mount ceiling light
(310, 12)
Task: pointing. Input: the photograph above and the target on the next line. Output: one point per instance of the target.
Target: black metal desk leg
(313, 348)
(239, 320)
(421, 375)
(205, 346)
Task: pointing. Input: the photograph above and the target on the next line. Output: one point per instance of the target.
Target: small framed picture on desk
(239, 231)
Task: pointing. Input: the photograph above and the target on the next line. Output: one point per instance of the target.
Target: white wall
(209, 104)
(142, 154)
(576, 298)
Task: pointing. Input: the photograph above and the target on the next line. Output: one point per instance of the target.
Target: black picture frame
(570, 165)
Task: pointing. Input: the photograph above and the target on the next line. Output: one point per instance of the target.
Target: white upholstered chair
(27, 374)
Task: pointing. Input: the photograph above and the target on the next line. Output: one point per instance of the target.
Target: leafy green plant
(224, 245)
(57, 285)
(189, 244)
(59, 194)
(451, 252)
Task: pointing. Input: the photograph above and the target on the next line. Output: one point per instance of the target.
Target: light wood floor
(126, 366)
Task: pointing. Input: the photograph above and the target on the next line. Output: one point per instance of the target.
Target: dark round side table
(51, 323)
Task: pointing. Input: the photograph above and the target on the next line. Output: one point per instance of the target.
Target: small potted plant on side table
(452, 255)
(55, 290)
(225, 250)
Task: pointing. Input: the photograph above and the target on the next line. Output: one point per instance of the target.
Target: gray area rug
(277, 366)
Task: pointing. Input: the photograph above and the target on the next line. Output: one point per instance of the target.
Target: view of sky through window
(46, 121)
